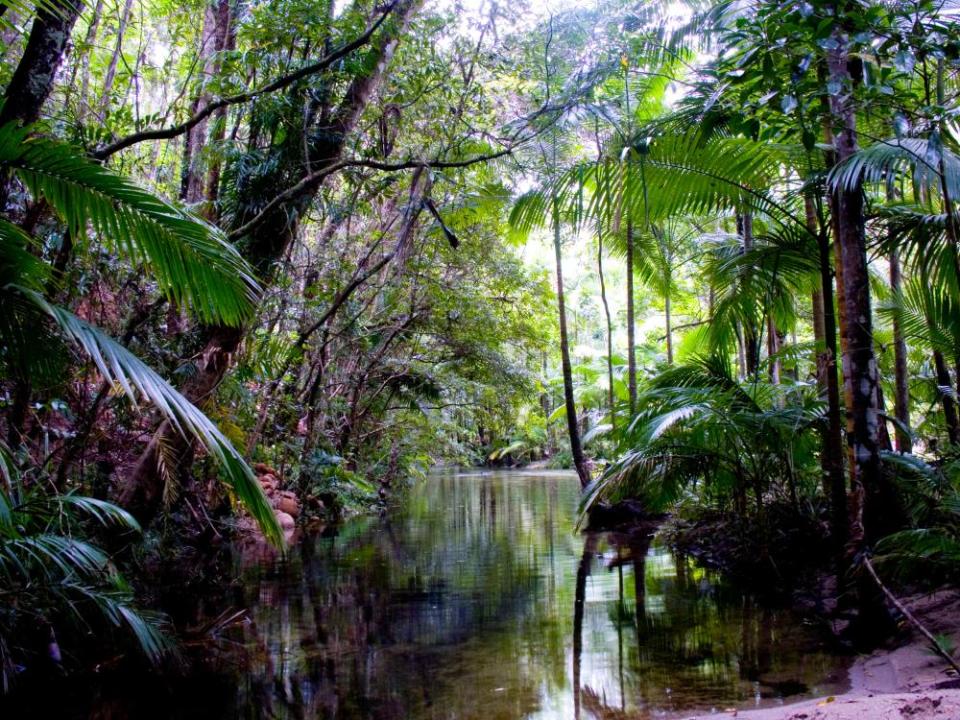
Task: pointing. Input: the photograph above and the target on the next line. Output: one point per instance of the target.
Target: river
(478, 600)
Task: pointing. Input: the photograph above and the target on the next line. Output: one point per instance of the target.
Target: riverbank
(905, 680)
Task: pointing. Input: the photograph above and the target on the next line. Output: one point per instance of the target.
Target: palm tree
(54, 578)
(192, 264)
(698, 425)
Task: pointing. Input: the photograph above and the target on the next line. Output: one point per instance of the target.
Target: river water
(478, 600)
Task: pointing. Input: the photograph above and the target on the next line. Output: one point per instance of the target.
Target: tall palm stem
(576, 448)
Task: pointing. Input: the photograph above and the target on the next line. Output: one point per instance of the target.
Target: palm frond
(139, 382)
(192, 262)
(881, 162)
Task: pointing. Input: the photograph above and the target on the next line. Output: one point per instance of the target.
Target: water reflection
(479, 601)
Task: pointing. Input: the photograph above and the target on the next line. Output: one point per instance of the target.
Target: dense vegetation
(707, 255)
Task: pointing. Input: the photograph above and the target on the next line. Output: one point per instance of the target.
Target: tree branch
(685, 326)
(319, 175)
(934, 643)
(278, 84)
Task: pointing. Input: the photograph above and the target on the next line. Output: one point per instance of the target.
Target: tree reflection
(459, 606)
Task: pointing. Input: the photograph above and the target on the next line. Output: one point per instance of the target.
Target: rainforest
(466, 359)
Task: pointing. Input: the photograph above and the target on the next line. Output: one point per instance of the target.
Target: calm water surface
(478, 600)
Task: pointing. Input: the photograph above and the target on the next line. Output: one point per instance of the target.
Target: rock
(286, 521)
(268, 483)
(264, 469)
(290, 506)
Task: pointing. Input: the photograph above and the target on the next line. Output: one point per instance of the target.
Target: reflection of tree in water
(387, 623)
(697, 642)
(478, 600)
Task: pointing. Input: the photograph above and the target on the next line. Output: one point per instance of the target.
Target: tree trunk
(901, 399)
(82, 64)
(114, 59)
(545, 401)
(576, 449)
(751, 341)
(741, 353)
(669, 328)
(816, 304)
(831, 454)
(859, 362)
(945, 385)
(217, 31)
(631, 326)
(606, 311)
(773, 348)
(873, 506)
(262, 248)
(33, 79)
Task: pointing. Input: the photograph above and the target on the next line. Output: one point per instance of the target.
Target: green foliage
(191, 261)
(929, 550)
(325, 477)
(56, 579)
(86, 193)
(699, 429)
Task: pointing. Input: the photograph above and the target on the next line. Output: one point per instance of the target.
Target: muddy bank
(903, 680)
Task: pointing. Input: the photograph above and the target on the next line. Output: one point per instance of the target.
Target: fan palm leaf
(928, 315)
(56, 573)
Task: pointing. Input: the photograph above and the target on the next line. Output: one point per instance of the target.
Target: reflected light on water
(475, 601)
(464, 605)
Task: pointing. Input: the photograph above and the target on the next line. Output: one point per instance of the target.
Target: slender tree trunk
(576, 449)
(82, 64)
(606, 312)
(741, 352)
(901, 400)
(751, 341)
(668, 321)
(33, 79)
(545, 405)
(219, 118)
(773, 347)
(831, 453)
(945, 383)
(871, 503)
(631, 326)
(816, 304)
(217, 32)
(108, 80)
(859, 362)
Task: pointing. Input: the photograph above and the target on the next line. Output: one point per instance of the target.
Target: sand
(902, 682)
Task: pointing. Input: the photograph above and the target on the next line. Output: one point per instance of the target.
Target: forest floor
(904, 681)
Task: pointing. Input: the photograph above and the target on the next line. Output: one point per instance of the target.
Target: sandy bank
(905, 681)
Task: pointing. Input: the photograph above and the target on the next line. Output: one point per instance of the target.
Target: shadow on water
(478, 600)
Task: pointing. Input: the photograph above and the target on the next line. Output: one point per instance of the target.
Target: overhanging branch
(319, 176)
(175, 130)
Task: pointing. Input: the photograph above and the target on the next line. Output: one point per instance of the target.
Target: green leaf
(138, 381)
(192, 261)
